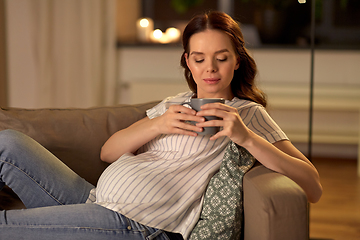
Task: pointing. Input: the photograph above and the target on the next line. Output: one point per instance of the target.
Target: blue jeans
(55, 199)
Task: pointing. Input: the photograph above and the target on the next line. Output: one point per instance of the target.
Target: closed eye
(199, 61)
(222, 59)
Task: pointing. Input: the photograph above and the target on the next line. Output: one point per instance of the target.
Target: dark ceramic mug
(196, 103)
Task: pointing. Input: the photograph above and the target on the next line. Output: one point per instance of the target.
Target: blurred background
(85, 53)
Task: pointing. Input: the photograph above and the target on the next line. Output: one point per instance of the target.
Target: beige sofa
(274, 206)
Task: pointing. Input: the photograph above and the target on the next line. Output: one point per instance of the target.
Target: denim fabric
(55, 199)
(36, 175)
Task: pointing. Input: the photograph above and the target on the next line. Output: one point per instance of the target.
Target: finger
(186, 129)
(182, 109)
(187, 117)
(211, 123)
(184, 132)
(212, 112)
(217, 135)
(189, 127)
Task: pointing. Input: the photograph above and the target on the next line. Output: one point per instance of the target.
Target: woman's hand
(280, 156)
(231, 122)
(174, 121)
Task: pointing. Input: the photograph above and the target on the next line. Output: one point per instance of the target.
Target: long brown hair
(243, 83)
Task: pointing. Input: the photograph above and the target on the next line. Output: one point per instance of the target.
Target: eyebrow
(217, 52)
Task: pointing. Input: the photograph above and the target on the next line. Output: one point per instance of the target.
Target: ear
(186, 56)
(237, 63)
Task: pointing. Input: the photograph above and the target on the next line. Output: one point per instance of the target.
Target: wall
(127, 13)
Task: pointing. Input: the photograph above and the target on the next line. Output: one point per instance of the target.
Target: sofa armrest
(275, 207)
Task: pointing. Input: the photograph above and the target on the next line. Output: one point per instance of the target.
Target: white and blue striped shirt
(164, 184)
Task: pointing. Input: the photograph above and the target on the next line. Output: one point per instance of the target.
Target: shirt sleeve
(164, 105)
(159, 109)
(259, 121)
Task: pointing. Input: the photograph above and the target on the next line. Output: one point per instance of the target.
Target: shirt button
(129, 227)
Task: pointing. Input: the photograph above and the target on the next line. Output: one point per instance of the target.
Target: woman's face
(212, 61)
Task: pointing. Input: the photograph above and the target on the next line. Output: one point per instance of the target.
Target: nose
(212, 66)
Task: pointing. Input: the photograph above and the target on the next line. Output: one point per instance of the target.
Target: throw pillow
(222, 213)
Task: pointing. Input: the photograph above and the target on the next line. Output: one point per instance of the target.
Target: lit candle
(159, 37)
(173, 34)
(157, 34)
(144, 26)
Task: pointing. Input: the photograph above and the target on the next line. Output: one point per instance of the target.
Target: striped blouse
(163, 185)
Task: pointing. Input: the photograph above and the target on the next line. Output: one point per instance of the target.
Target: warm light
(170, 35)
(159, 37)
(302, 1)
(173, 34)
(144, 23)
(157, 34)
(144, 28)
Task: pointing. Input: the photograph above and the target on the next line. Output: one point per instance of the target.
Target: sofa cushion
(74, 135)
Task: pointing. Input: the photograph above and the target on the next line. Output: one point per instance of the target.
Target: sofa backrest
(74, 135)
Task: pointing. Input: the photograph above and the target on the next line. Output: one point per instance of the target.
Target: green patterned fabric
(222, 213)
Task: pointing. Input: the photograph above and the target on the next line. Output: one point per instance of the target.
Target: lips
(211, 80)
